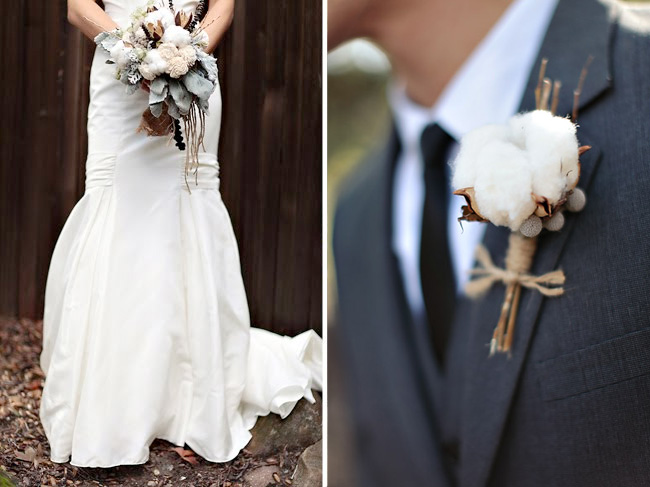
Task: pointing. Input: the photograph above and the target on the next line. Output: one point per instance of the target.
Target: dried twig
(578, 91)
(538, 89)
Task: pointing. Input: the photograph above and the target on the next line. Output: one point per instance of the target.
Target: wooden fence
(270, 65)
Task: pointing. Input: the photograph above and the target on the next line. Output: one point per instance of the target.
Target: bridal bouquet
(522, 175)
(163, 51)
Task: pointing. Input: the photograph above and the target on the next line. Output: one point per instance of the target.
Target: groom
(571, 406)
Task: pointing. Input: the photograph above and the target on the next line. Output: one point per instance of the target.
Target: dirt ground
(24, 451)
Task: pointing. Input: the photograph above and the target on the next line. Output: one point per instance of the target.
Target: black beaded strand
(199, 14)
(178, 135)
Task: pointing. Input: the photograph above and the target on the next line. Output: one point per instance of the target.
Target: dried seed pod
(470, 211)
(555, 223)
(543, 205)
(156, 126)
(531, 226)
(576, 200)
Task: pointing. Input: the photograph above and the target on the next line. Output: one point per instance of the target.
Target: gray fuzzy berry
(531, 226)
(555, 223)
(576, 200)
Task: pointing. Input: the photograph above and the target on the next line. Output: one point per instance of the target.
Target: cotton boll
(119, 54)
(503, 183)
(153, 65)
(146, 72)
(552, 146)
(177, 36)
(164, 15)
(535, 153)
(465, 165)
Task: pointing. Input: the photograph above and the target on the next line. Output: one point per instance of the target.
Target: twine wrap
(519, 259)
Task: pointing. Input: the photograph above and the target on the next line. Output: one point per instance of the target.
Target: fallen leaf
(187, 455)
(28, 456)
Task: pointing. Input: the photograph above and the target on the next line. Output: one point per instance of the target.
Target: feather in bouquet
(163, 50)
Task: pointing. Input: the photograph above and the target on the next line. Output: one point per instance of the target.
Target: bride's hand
(217, 21)
(89, 17)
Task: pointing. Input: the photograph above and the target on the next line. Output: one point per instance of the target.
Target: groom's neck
(428, 41)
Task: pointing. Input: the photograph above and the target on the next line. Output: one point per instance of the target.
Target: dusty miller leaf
(181, 96)
(197, 84)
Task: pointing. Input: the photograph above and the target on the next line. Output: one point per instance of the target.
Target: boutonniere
(522, 175)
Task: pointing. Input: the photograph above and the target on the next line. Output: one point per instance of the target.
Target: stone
(261, 477)
(309, 472)
(302, 428)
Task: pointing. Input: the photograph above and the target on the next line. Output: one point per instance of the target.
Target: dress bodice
(120, 10)
(113, 115)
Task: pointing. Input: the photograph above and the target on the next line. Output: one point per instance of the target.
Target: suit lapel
(415, 337)
(405, 370)
(580, 28)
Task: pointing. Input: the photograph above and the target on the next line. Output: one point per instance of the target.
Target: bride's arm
(89, 17)
(217, 20)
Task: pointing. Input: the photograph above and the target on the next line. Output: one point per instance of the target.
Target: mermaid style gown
(146, 325)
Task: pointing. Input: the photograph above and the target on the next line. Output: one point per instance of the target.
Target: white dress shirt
(487, 89)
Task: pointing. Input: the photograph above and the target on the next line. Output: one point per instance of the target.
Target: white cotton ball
(576, 201)
(152, 65)
(531, 227)
(555, 223)
(552, 146)
(119, 54)
(471, 145)
(502, 186)
(534, 153)
(164, 15)
(177, 36)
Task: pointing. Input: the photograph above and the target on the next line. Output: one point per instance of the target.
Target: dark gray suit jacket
(571, 407)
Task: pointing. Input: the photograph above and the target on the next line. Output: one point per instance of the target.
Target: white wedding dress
(146, 324)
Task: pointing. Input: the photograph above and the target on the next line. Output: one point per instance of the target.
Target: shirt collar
(489, 85)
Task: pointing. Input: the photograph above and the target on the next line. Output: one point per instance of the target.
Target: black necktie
(436, 273)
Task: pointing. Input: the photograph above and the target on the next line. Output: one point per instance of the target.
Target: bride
(146, 323)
